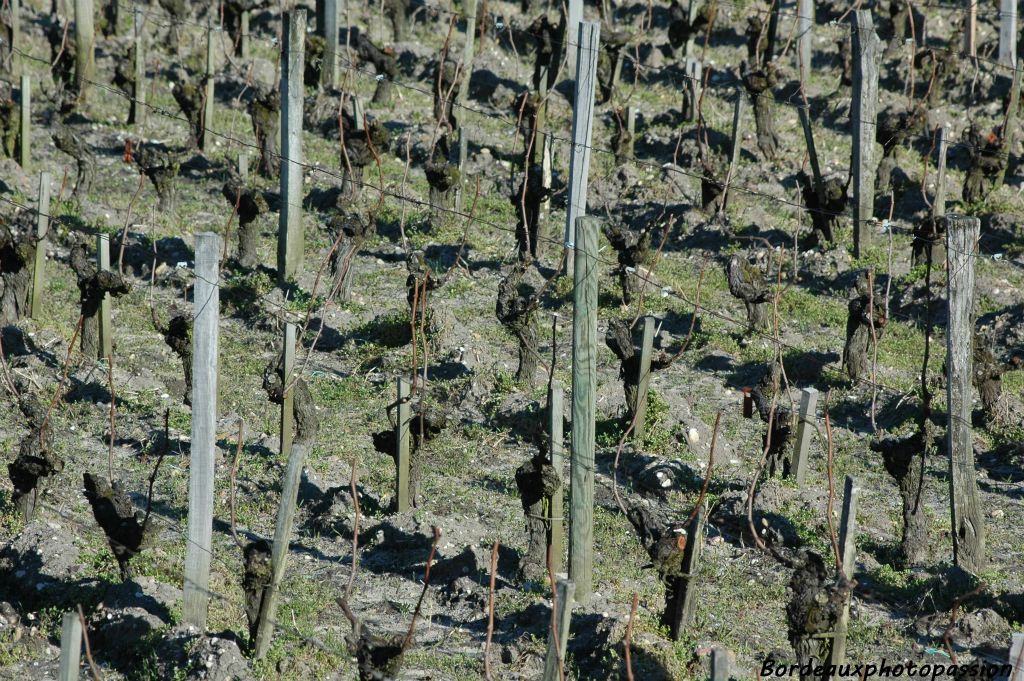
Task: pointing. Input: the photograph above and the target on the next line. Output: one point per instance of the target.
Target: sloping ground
(468, 490)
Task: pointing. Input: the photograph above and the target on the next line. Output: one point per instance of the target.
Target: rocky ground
(352, 352)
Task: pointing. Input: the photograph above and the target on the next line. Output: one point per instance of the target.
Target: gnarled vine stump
(93, 284)
(265, 111)
(516, 310)
(865, 309)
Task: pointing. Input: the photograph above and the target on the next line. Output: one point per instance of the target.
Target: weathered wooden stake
(1007, 130)
(588, 39)
(290, 237)
(25, 129)
(279, 551)
(545, 175)
(848, 555)
(329, 71)
(971, 28)
(1016, 658)
(137, 105)
(357, 114)
(643, 380)
(572, 36)
(106, 345)
(16, 43)
(720, 666)
(863, 116)
(693, 83)
(564, 590)
(556, 519)
(70, 647)
(288, 403)
(205, 138)
(804, 432)
(734, 155)
(631, 128)
(805, 24)
(939, 204)
(1008, 32)
(962, 234)
(812, 152)
(85, 46)
(684, 596)
(244, 30)
(467, 71)
(243, 166)
(205, 336)
(584, 389)
(403, 442)
(42, 227)
(691, 16)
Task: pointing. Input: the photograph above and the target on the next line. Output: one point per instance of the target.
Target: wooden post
(939, 204)
(589, 40)
(734, 156)
(1009, 125)
(720, 666)
(467, 71)
(848, 555)
(681, 606)
(773, 32)
(205, 139)
(467, 50)
(693, 82)
(643, 380)
(805, 24)
(584, 405)
(70, 647)
(137, 105)
(812, 151)
(804, 432)
(106, 345)
(691, 16)
(205, 335)
(971, 28)
(329, 71)
(556, 519)
(243, 166)
(631, 130)
(1016, 658)
(572, 36)
(402, 441)
(545, 181)
(16, 42)
(42, 227)
(244, 37)
(863, 112)
(962, 234)
(358, 116)
(1008, 32)
(279, 551)
(290, 237)
(85, 46)
(25, 129)
(287, 404)
(564, 591)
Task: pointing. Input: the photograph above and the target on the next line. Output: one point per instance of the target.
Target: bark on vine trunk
(865, 309)
(93, 284)
(759, 83)
(516, 310)
(904, 461)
